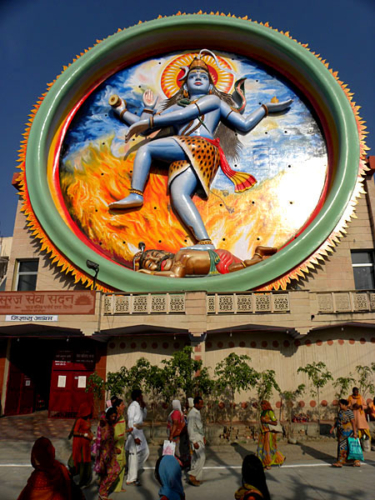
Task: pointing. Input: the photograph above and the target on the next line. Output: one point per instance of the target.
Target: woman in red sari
(82, 437)
(50, 479)
(108, 468)
(176, 428)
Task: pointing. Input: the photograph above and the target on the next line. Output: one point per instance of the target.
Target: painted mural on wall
(263, 206)
(239, 166)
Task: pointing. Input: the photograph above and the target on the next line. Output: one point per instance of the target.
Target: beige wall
(5, 246)
(341, 350)
(125, 351)
(337, 272)
(286, 355)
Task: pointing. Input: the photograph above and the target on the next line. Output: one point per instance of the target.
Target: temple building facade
(46, 358)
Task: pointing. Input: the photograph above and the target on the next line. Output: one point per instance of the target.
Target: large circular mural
(271, 197)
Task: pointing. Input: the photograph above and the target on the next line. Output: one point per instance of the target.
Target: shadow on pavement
(317, 454)
(241, 450)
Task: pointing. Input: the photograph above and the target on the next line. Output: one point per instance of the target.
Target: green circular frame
(156, 37)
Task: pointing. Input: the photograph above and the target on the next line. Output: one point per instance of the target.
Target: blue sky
(38, 37)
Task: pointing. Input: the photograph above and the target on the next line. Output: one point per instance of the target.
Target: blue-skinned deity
(201, 119)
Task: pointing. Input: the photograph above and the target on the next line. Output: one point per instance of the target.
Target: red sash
(241, 180)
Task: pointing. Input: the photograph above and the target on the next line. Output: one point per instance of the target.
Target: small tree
(319, 377)
(122, 382)
(203, 385)
(181, 372)
(266, 384)
(117, 382)
(366, 379)
(343, 385)
(96, 387)
(289, 398)
(138, 376)
(234, 374)
(155, 383)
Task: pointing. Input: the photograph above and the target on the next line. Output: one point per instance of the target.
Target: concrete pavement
(306, 475)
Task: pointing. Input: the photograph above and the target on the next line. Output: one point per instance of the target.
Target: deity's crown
(197, 62)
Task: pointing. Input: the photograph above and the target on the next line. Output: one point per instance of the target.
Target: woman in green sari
(120, 438)
(267, 444)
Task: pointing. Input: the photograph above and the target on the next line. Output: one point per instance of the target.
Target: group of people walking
(117, 446)
(121, 449)
(351, 422)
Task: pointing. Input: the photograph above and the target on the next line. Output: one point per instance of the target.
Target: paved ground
(307, 474)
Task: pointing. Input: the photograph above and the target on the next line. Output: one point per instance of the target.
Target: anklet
(204, 242)
(136, 191)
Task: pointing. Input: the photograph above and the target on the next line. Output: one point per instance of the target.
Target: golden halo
(170, 83)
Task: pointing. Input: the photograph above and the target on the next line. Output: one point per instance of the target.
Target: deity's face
(198, 82)
(157, 260)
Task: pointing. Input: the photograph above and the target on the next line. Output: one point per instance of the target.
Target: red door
(20, 392)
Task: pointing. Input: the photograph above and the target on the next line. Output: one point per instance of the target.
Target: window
(27, 274)
(363, 269)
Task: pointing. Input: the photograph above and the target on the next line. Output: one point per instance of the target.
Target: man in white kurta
(197, 442)
(136, 444)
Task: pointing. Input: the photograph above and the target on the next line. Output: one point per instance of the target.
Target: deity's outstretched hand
(137, 128)
(149, 99)
(276, 107)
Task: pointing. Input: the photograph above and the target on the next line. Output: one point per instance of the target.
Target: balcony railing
(276, 302)
(248, 303)
(147, 303)
(346, 302)
(175, 303)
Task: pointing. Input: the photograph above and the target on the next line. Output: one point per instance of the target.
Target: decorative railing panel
(166, 303)
(250, 303)
(346, 302)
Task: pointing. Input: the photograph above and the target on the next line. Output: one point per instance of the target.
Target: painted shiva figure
(199, 115)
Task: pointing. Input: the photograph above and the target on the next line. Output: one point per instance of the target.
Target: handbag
(355, 450)
(277, 428)
(169, 447)
(365, 443)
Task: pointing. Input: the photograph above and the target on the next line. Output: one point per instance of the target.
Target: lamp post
(95, 267)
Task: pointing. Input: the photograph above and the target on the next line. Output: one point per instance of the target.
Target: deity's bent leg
(160, 149)
(182, 189)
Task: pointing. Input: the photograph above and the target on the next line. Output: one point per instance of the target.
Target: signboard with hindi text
(27, 318)
(47, 303)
